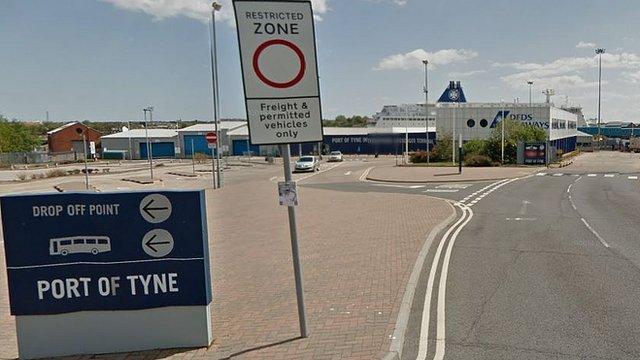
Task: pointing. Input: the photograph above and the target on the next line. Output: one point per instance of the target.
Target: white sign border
(244, 86)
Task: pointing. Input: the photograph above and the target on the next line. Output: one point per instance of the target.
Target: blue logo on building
(499, 117)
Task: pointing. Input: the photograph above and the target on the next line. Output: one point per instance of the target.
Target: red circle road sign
(264, 79)
(211, 137)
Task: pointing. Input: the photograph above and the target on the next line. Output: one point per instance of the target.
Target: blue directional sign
(107, 251)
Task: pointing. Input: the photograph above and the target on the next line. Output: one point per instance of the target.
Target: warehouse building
(68, 138)
(132, 144)
(192, 140)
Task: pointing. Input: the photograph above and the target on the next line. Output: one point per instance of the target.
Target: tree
(16, 137)
(442, 151)
(343, 121)
(514, 131)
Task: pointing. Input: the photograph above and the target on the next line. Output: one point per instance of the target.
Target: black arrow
(148, 209)
(150, 243)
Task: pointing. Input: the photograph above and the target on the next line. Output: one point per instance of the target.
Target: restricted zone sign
(108, 272)
(279, 69)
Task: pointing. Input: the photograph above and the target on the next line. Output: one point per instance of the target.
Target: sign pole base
(293, 229)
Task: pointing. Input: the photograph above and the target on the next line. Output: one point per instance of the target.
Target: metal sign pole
(213, 167)
(84, 153)
(293, 229)
(193, 158)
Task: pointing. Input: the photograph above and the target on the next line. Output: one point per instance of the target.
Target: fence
(7, 159)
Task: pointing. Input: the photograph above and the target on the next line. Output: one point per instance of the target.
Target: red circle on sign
(211, 137)
(290, 45)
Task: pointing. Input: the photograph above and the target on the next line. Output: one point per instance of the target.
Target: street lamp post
(530, 82)
(599, 52)
(84, 154)
(426, 106)
(146, 134)
(502, 131)
(453, 136)
(215, 6)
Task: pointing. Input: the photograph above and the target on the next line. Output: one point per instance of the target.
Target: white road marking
(632, 177)
(453, 186)
(569, 188)
(441, 190)
(426, 310)
(318, 172)
(523, 207)
(573, 206)
(442, 289)
(521, 219)
(592, 175)
(347, 173)
(594, 232)
(424, 328)
(609, 175)
(401, 186)
(541, 174)
(363, 177)
(558, 174)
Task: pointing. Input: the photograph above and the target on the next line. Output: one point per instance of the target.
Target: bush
(418, 157)
(474, 147)
(442, 151)
(35, 176)
(199, 157)
(55, 173)
(478, 161)
(22, 176)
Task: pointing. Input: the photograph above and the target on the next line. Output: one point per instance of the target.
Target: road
(545, 266)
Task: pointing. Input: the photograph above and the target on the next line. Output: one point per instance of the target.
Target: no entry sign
(279, 69)
(211, 137)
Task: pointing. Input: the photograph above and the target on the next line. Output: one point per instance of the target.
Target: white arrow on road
(523, 208)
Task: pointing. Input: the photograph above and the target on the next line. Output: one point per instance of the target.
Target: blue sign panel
(108, 251)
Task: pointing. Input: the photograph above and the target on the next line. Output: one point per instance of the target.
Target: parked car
(307, 163)
(335, 156)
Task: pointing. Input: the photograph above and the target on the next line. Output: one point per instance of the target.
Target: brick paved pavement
(357, 252)
(390, 173)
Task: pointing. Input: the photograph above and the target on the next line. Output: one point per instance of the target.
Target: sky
(107, 59)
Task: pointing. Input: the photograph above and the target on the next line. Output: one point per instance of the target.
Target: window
(65, 242)
(91, 241)
(471, 123)
(78, 241)
(103, 241)
(483, 122)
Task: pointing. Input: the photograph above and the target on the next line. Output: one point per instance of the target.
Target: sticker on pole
(287, 193)
(279, 70)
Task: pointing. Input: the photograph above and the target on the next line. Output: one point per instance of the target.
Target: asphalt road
(543, 267)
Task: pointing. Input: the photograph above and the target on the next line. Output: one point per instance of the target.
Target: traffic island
(421, 174)
(143, 180)
(74, 186)
(183, 174)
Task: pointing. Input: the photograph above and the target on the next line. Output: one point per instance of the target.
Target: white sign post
(282, 92)
(279, 69)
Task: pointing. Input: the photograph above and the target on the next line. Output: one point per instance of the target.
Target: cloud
(413, 59)
(466, 73)
(566, 72)
(585, 45)
(394, 2)
(632, 77)
(194, 9)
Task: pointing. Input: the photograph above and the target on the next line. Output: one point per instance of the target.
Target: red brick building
(66, 138)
